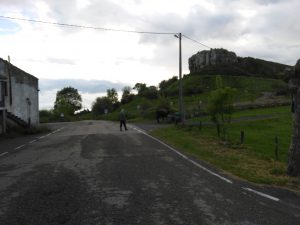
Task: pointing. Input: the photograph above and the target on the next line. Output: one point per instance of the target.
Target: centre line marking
(21, 146)
(185, 157)
(261, 194)
(57, 130)
(32, 141)
(3, 154)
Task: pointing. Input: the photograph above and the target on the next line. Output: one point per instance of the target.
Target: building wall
(24, 101)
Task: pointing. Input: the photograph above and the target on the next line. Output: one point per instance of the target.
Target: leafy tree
(166, 83)
(46, 116)
(147, 92)
(140, 87)
(164, 103)
(68, 100)
(101, 104)
(150, 92)
(112, 95)
(127, 96)
(221, 107)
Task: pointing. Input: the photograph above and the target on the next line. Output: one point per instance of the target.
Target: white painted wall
(22, 94)
(24, 88)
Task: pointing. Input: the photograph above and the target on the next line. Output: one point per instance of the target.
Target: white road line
(57, 130)
(185, 157)
(32, 141)
(3, 154)
(41, 137)
(21, 146)
(261, 194)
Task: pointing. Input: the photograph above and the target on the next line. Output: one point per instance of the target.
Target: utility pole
(181, 107)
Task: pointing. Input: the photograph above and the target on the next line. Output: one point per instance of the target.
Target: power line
(86, 27)
(196, 41)
(100, 28)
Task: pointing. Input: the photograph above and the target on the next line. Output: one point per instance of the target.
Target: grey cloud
(266, 2)
(277, 25)
(97, 14)
(16, 2)
(199, 23)
(60, 61)
(84, 86)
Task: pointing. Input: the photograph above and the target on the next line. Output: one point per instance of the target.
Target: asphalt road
(90, 173)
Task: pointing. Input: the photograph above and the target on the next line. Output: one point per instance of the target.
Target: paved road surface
(90, 173)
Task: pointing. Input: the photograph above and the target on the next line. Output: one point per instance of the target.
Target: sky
(93, 60)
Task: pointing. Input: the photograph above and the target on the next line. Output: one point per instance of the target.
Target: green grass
(248, 88)
(254, 160)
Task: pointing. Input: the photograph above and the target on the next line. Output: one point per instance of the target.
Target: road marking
(21, 146)
(3, 154)
(185, 157)
(261, 194)
(41, 137)
(57, 130)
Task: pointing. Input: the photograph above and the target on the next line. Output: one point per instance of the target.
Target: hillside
(224, 62)
(251, 92)
(248, 87)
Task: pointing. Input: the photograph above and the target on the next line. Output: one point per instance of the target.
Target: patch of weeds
(35, 130)
(14, 131)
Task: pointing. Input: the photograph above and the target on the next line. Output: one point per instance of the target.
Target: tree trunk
(294, 151)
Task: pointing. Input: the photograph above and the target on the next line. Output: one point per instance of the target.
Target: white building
(18, 96)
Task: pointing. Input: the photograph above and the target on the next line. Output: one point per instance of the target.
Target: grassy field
(254, 160)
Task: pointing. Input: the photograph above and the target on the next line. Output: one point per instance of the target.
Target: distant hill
(224, 62)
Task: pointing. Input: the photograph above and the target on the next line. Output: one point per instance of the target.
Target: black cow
(161, 114)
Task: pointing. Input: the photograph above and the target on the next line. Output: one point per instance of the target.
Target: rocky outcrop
(212, 57)
(224, 62)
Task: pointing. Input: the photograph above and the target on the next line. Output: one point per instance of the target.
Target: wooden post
(242, 137)
(276, 148)
(200, 125)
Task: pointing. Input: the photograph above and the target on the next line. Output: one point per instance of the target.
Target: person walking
(123, 120)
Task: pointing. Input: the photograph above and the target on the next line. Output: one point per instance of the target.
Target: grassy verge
(254, 160)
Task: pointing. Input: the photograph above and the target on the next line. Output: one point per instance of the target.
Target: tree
(127, 96)
(294, 151)
(112, 95)
(220, 107)
(101, 104)
(166, 83)
(150, 92)
(140, 87)
(68, 100)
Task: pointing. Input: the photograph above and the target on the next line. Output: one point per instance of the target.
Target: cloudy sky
(93, 60)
